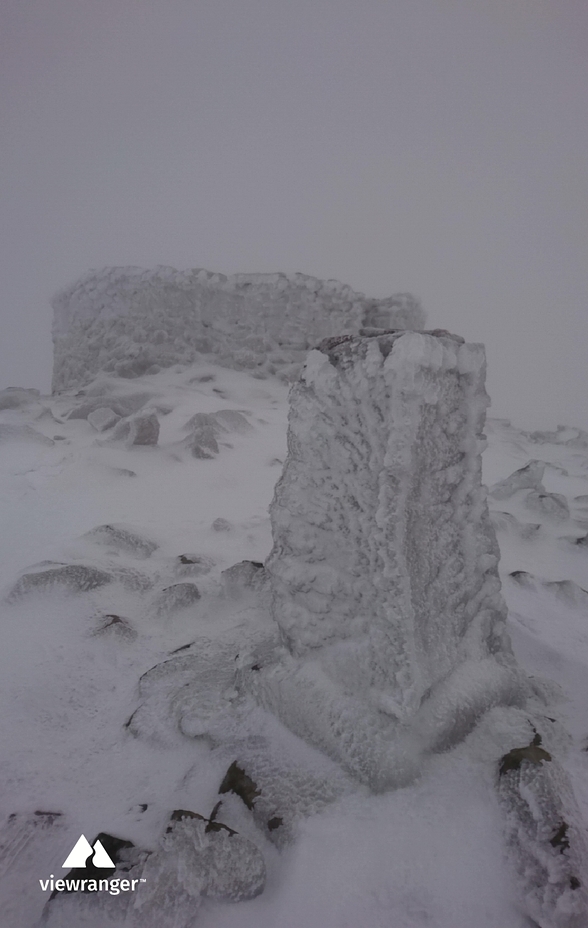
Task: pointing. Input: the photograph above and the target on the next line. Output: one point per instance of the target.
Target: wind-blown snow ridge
(132, 321)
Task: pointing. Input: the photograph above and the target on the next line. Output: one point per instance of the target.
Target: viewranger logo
(84, 863)
(82, 850)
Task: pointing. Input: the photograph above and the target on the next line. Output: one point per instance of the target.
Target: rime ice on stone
(132, 321)
(384, 565)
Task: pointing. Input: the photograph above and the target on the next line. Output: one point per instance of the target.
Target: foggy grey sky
(436, 146)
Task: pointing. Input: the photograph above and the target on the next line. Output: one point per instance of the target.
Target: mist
(432, 147)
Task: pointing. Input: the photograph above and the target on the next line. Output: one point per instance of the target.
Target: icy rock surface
(545, 844)
(384, 564)
(197, 857)
(132, 321)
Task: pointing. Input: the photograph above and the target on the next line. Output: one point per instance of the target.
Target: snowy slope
(85, 735)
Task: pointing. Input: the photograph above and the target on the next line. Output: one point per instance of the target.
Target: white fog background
(436, 146)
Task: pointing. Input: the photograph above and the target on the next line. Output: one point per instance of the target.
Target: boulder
(103, 418)
(143, 430)
(77, 578)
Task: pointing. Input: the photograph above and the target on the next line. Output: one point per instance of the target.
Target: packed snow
(137, 617)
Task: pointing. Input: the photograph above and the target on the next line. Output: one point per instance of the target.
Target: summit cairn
(129, 321)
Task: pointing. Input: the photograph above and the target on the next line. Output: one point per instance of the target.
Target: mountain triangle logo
(82, 849)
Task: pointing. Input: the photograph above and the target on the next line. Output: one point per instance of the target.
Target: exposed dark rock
(532, 753)
(236, 781)
(222, 525)
(114, 625)
(522, 576)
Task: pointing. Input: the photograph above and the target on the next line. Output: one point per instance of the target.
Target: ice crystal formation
(132, 321)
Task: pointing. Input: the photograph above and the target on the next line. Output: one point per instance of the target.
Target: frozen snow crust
(132, 321)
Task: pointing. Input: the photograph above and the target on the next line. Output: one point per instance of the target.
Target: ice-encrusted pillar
(384, 565)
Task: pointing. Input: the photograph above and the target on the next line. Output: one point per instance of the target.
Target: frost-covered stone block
(231, 420)
(384, 564)
(202, 442)
(144, 430)
(103, 418)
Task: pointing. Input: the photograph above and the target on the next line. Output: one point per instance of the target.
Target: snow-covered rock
(122, 405)
(103, 418)
(545, 844)
(197, 857)
(552, 505)
(122, 538)
(144, 429)
(16, 397)
(528, 477)
(132, 321)
(77, 578)
(176, 596)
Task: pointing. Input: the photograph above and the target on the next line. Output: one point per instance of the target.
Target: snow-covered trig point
(384, 565)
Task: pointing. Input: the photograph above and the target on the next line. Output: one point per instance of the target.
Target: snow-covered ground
(83, 737)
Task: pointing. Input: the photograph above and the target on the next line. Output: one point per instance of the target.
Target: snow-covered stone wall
(132, 321)
(384, 564)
